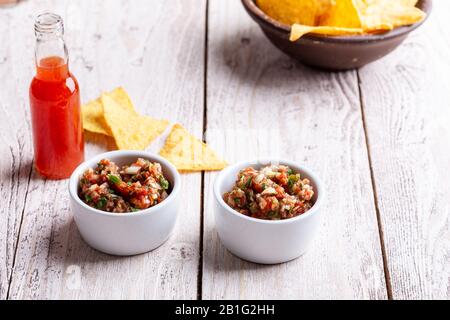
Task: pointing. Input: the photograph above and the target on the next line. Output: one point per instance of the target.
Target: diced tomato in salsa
(274, 192)
(134, 187)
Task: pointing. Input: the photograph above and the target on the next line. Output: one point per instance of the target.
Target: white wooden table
(379, 137)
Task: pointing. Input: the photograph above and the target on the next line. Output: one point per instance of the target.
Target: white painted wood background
(379, 137)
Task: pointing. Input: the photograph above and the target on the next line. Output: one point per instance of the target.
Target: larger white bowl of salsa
(132, 232)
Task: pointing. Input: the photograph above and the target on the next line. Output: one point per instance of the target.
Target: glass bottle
(55, 103)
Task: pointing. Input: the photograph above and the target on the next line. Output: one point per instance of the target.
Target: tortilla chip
(130, 130)
(105, 142)
(384, 15)
(410, 3)
(342, 17)
(122, 98)
(343, 14)
(306, 12)
(188, 153)
(299, 31)
(93, 119)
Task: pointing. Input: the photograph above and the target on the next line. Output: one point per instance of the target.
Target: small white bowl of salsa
(267, 211)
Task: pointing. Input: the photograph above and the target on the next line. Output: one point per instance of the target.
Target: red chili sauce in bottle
(55, 104)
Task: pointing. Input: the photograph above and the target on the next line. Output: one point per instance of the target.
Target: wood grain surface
(111, 43)
(406, 100)
(263, 104)
(378, 137)
(15, 141)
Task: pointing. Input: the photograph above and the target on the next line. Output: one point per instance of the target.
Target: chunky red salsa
(129, 188)
(274, 192)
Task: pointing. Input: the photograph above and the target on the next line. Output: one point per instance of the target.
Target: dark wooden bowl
(333, 52)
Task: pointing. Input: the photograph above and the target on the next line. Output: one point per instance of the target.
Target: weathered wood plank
(155, 50)
(15, 143)
(406, 102)
(313, 117)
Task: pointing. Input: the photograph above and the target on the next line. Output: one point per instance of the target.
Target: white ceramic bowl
(126, 233)
(265, 241)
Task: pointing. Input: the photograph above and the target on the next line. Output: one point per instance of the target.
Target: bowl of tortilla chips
(338, 34)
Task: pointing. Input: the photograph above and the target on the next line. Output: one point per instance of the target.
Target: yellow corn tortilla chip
(299, 31)
(188, 153)
(342, 17)
(122, 98)
(130, 130)
(106, 142)
(93, 119)
(343, 14)
(306, 12)
(384, 15)
(410, 3)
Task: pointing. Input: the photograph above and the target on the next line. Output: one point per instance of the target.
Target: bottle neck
(51, 53)
(51, 60)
